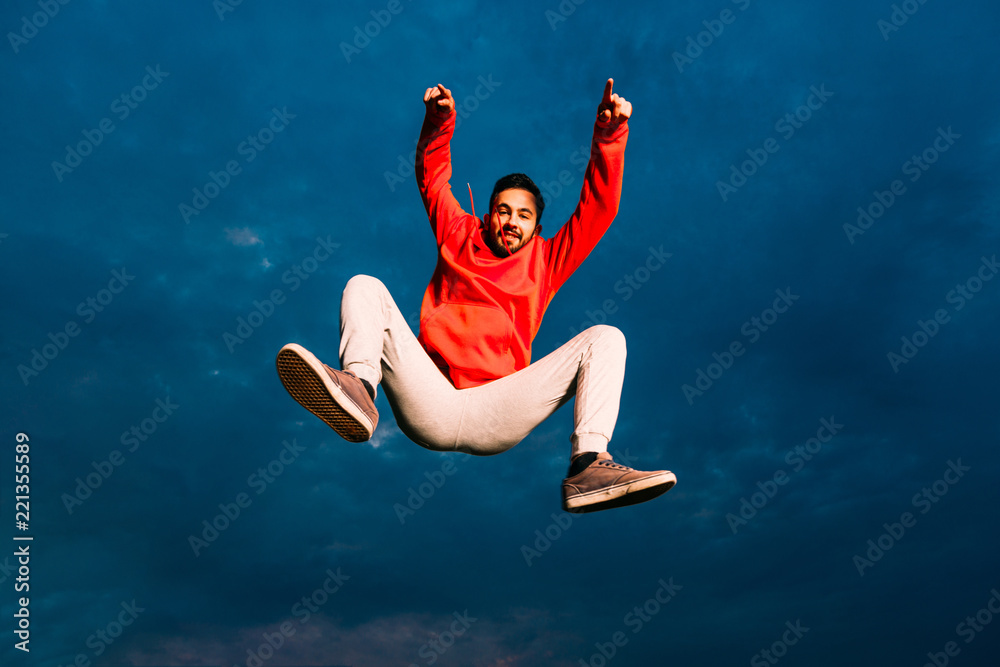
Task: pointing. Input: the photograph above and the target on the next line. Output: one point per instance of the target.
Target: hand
(439, 100)
(613, 109)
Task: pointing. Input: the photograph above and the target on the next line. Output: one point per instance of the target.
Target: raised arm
(433, 164)
(601, 191)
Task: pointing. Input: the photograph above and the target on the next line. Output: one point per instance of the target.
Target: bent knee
(609, 337)
(366, 284)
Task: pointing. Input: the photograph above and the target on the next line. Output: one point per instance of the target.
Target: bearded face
(512, 222)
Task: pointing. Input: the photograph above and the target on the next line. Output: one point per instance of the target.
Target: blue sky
(819, 378)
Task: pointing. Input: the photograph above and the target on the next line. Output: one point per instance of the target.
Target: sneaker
(605, 484)
(339, 398)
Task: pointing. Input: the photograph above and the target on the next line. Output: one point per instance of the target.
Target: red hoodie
(480, 312)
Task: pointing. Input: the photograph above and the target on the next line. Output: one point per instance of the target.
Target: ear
(538, 230)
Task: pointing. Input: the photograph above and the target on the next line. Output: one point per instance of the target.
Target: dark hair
(519, 182)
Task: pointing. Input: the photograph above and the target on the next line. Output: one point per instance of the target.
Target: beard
(515, 241)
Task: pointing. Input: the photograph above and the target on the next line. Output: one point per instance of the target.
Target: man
(467, 383)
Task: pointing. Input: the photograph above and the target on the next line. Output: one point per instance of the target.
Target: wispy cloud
(242, 236)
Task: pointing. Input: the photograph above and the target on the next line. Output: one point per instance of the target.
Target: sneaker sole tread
(312, 389)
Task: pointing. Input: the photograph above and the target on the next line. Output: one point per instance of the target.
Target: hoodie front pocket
(472, 336)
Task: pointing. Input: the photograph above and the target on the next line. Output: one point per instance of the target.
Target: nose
(505, 222)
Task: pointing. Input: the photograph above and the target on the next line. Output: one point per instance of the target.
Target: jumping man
(466, 383)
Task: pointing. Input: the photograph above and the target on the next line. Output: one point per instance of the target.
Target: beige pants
(377, 344)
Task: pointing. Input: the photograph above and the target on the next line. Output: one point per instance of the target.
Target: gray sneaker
(605, 484)
(339, 398)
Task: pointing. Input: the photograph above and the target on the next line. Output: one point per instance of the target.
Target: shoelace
(607, 463)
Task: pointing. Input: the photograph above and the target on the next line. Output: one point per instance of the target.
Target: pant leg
(590, 366)
(378, 345)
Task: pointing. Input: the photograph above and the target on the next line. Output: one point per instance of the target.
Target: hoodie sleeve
(433, 171)
(599, 197)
